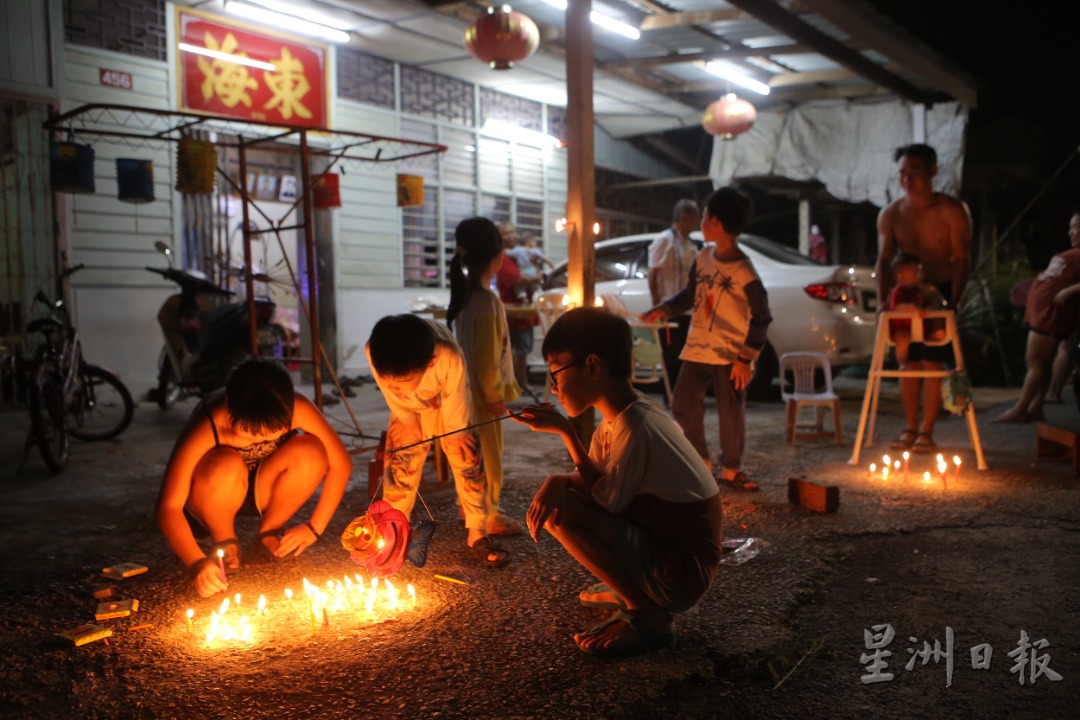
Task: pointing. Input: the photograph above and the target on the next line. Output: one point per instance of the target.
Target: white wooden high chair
(882, 342)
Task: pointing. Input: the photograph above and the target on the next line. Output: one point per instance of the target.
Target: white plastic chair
(882, 343)
(803, 367)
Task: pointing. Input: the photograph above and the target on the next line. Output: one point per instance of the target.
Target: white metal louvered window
(477, 175)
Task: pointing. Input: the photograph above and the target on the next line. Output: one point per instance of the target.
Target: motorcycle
(206, 334)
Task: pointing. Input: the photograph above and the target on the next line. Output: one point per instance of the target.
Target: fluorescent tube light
(286, 21)
(238, 59)
(604, 21)
(731, 74)
(509, 131)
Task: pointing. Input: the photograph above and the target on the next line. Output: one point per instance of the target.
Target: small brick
(103, 591)
(812, 496)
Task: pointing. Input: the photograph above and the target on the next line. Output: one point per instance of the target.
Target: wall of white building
(116, 300)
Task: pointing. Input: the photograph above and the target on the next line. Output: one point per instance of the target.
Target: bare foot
(502, 525)
(1013, 416)
(625, 634)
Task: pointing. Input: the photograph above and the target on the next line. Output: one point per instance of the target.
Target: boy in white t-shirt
(641, 511)
(727, 332)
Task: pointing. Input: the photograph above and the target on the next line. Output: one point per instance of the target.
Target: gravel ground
(780, 635)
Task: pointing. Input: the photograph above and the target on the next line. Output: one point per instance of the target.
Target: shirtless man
(936, 228)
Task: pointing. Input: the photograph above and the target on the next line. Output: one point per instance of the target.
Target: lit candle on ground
(873, 469)
(942, 468)
(412, 593)
(221, 562)
(926, 476)
(886, 460)
(190, 614)
(288, 594)
(940, 458)
(885, 472)
(312, 617)
(956, 462)
(907, 456)
(262, 604)
(236, 599)
(325, 618)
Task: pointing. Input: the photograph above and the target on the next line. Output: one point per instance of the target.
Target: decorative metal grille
(365, 78)
(557, 122)
(437, 96)
(135, 27)
(512, 109)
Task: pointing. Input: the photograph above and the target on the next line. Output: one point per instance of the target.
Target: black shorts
(918, 352)
(247, 508)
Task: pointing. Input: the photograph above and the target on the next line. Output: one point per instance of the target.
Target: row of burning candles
(891, 468)
(339, 596)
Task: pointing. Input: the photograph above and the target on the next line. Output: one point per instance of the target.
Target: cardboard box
(124, 570)
(85, 634)
(115, 609)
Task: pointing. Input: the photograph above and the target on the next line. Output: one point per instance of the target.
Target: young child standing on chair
(911, 293)
(728, 329)
(478, 319)
(640, 511)
(420, 369)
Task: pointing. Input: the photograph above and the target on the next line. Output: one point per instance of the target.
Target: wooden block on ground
(1055, 441)
(812, 496)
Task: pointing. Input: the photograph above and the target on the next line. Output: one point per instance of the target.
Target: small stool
(1055, 441)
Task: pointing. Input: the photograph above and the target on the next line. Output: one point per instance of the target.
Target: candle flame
(940, 458)
(224, 606)
(288, 593)
(190, 613)
(873, 467)
(886, 460)
(262, 604)
(926, 476)
(220, 553)
(906, 455)
(236, 599)
(956, 459)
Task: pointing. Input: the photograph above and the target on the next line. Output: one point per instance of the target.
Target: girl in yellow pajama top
(478, 319)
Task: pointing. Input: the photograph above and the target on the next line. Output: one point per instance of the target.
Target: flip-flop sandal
(224, 545)
(740, 483)
(485, 547)
(905, 440)
(924, 443)
(647, 638)
(598, 589)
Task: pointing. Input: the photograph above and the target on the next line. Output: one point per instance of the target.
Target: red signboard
(237, 80)
(115, 78)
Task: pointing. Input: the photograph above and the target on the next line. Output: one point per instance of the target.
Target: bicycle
(66, 395)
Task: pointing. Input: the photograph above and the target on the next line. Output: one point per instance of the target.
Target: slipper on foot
(611, 601)
(905, 440)
(739, 482)
(637, 637)
(485, 547)
(924, 443)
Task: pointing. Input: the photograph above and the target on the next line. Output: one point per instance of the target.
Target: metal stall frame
(140, 127)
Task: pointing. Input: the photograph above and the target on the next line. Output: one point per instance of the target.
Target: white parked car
(816, 308)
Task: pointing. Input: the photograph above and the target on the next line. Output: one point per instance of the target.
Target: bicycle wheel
(100, 407)
(46, 399)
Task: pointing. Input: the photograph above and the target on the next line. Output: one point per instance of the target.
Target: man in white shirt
(671, 255)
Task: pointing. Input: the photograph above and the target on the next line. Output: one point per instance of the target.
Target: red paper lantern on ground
(501, 37)
(729, 116)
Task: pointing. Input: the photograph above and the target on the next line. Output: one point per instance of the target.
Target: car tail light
(838, 292)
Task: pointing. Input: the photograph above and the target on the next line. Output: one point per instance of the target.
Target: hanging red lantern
(502, 37)
(729, 116)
